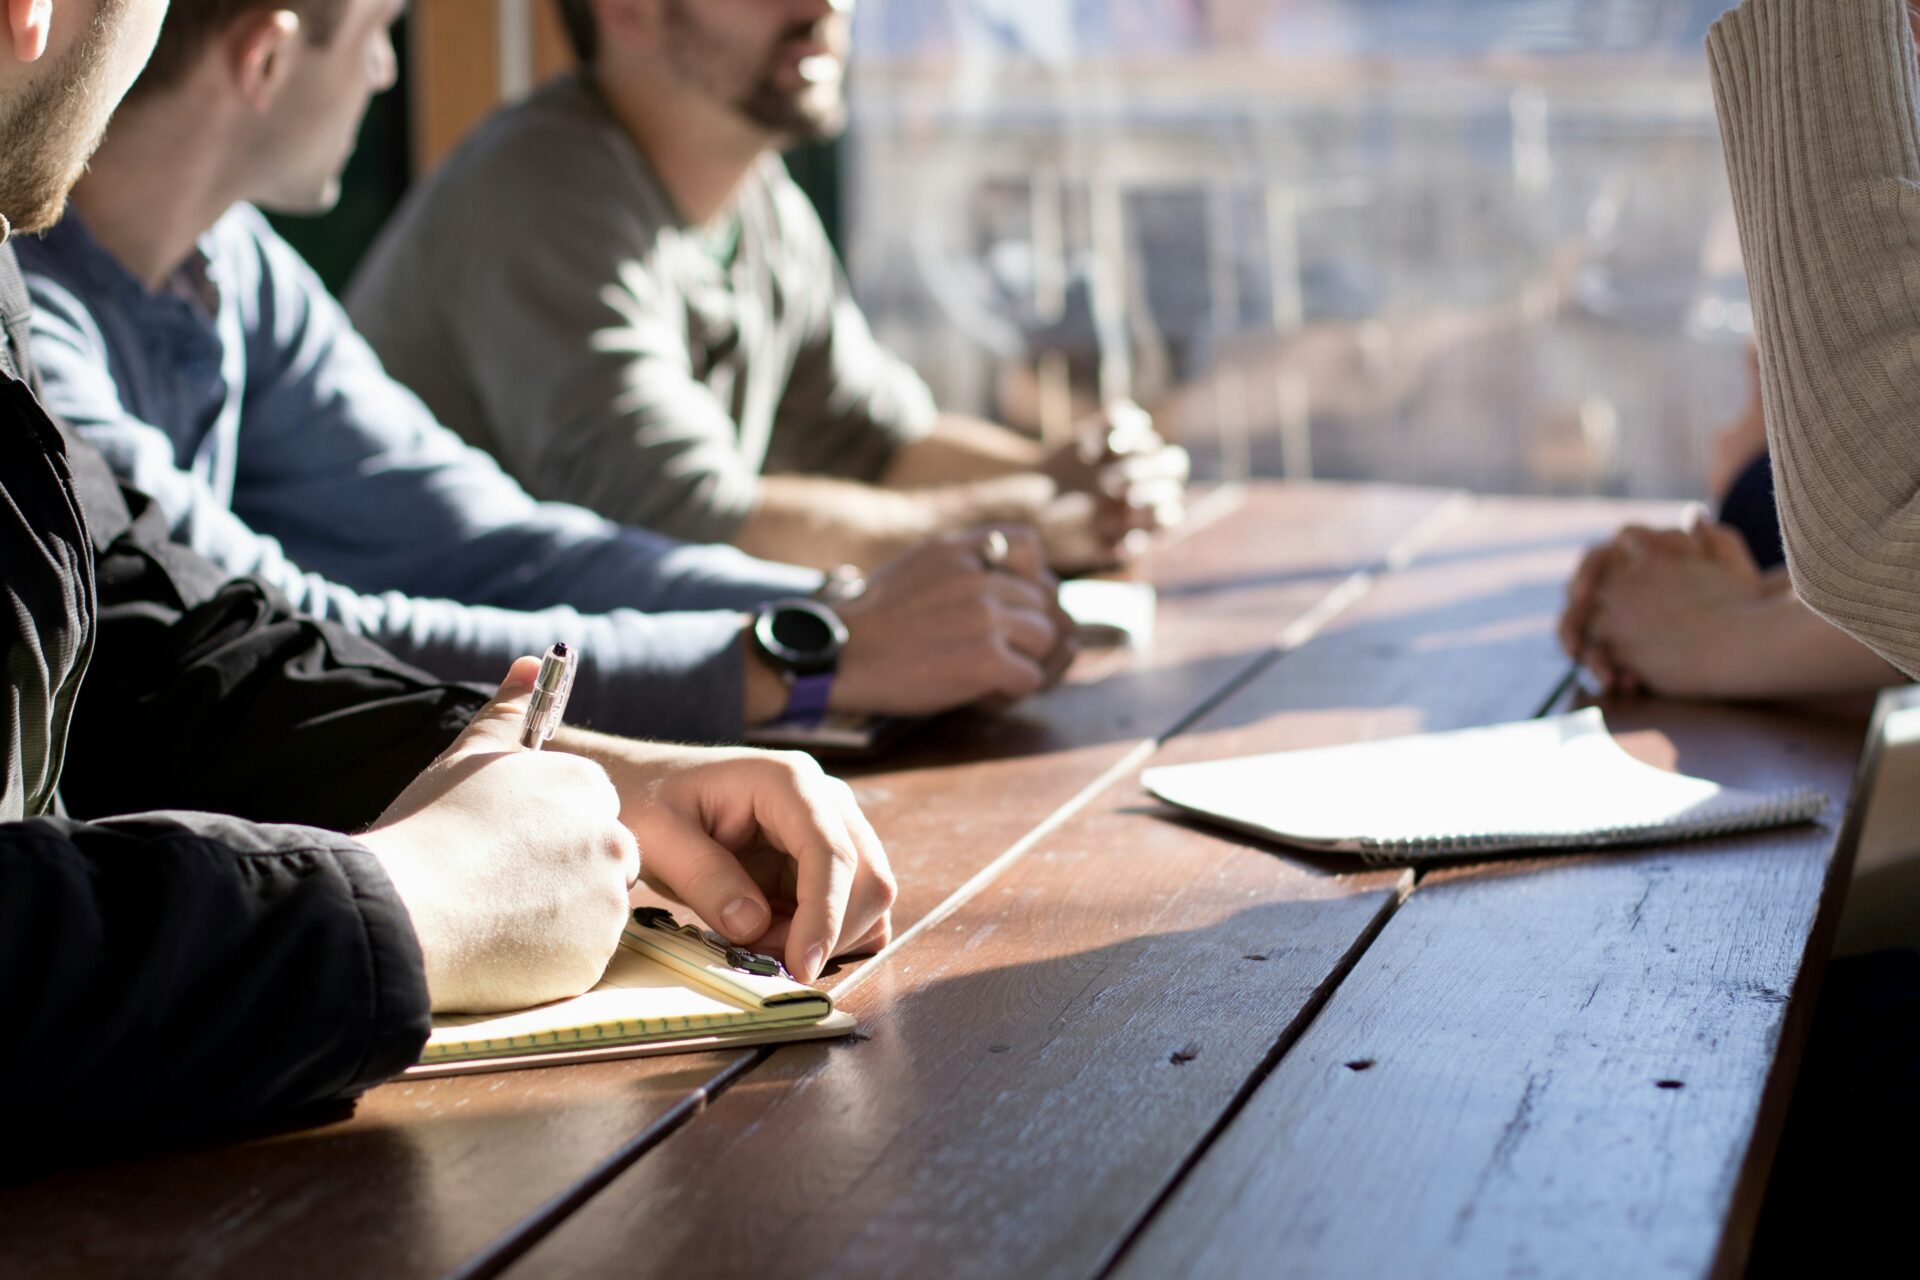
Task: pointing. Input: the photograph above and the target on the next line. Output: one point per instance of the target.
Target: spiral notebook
(670, 988)
(1559, 782)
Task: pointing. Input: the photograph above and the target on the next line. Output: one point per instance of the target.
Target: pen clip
(739, 958)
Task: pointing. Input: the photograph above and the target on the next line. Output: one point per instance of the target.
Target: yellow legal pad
(666, 990)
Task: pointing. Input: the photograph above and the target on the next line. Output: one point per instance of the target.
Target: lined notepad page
(1554, 783)
(642, 997)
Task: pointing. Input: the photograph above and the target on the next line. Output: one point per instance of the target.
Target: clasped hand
(1657, 610)
(1117, 480)
(940, 628)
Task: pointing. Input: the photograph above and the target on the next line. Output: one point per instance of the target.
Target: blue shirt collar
(197, 281)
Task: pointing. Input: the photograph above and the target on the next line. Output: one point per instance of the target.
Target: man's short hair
(582, 33)
(192, 24)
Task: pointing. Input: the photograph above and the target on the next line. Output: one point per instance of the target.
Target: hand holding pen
(514, 866)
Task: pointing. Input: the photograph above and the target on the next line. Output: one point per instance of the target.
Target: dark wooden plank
(419, 1178)
(426, 1175)
(1555, 1066)
(1046, 1058)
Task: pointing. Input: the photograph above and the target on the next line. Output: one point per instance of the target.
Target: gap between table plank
(1295, 634)
(430, 1174)
(896, 1192)
(1625, 1016)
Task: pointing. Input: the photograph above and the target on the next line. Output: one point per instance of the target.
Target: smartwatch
(803, 640)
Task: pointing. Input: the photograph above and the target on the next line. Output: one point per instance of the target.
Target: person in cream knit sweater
(1816, 103)
(1819, 104)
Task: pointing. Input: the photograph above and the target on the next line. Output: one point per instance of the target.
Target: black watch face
(804, 633)
(801, 635)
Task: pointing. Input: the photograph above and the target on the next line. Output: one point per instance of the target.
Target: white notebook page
(1557, 782)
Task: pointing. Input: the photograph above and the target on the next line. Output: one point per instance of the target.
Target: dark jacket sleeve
(209, 692)
(174, 974)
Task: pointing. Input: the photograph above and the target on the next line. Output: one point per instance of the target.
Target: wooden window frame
(469, 57)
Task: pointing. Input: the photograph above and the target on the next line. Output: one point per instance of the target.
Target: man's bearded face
(785, 77)
(52, 128)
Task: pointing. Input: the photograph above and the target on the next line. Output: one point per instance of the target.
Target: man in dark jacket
(226, 953)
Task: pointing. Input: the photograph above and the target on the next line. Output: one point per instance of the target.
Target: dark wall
(817, 169)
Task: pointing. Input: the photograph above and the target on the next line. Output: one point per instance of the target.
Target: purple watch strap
(807, 702)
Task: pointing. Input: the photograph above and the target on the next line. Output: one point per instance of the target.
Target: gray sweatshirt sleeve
(1817, 102)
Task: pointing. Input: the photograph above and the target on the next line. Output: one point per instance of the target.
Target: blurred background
(1483, 243)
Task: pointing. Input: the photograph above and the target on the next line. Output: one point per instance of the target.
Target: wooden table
(1112, 1043)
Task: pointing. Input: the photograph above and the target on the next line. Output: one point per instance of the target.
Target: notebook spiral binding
(1803, 805)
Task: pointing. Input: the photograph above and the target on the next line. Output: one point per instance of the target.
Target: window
(1463, 242)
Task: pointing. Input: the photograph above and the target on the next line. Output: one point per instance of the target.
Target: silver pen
(549, 701)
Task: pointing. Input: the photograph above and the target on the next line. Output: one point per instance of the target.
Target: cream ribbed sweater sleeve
(1817, 102)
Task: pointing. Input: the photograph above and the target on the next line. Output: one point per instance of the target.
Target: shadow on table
(1481, 866)
(1470, 642)
(1333, 573)
(1136, 702)
(408, 1188)
(1430, 656)
(1034, 1058)
(1306, 861)
(393, 1185)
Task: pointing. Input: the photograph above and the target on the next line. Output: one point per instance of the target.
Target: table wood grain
(971, 787)
(1569, 1067)
(427, 1177)
(1113, 1042)
(1044, 1064)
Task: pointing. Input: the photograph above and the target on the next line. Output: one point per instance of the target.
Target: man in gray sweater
(669, 339)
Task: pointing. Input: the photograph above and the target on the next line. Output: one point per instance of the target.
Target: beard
(47, 136)
(810, 113)
(813, 113)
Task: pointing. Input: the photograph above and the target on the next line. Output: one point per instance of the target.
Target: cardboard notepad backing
(665, 991)
(1556, 783)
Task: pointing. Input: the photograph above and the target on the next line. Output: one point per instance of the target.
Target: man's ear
(28, 25)
(259, 48)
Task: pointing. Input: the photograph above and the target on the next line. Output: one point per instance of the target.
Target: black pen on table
(549, 701)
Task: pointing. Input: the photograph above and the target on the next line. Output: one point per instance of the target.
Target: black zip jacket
(226, 954)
